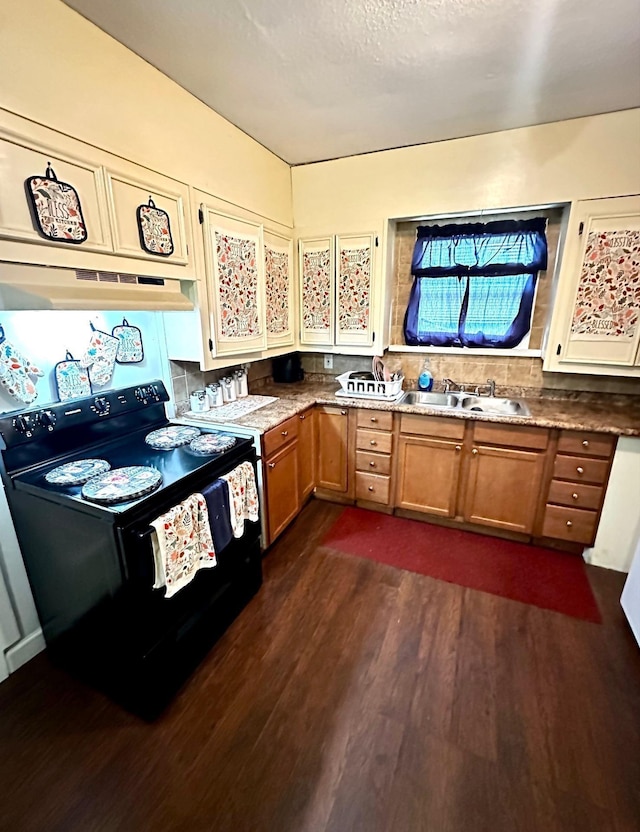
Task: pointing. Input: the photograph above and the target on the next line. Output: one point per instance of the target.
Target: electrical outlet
(328, 362)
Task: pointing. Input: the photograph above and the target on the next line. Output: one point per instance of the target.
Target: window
(474, 283)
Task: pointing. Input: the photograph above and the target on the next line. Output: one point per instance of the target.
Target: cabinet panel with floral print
(235, 256)
(278, 285)
(354, 272)
(317, 287)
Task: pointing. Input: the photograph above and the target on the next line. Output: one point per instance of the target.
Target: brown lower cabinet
(332, 429)
(306, 453)
(281, 481)
(428, 471)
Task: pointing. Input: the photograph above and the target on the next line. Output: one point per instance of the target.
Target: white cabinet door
(279, 293)
(354, 273)
(235, 263)
(127, 193)
(598, 306)
(317, 289)
(20, 160)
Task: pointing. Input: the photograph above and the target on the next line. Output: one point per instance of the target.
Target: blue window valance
(474, 283)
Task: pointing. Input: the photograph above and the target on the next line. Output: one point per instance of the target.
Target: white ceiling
(319, 79)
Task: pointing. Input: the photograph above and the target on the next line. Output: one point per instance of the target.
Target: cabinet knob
(458, 447)
(285, 433)
(343, 412)
(370, 488)
(580, 470)
(303, 416)
(372, 464)
(474, 451)
(574, 496)
(585, 443)
(373, 442)
(569, 523)
(373, 419)
(272, 465)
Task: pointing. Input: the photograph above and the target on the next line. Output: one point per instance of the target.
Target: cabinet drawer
(374, 440)
(372, 487)
(580, 469)
(569, 524)
(576, 494)
(438, 426)
(586, 444)
(279, 436)
(373, 463)
(515, 436)
(376, 419)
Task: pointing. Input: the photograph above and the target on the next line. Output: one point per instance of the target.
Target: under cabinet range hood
(41, 287)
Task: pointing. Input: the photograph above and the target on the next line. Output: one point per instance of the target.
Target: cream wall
(60, 70)
(583, 158)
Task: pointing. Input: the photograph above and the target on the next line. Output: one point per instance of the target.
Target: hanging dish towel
(100, 357)
(15, 372)
(130, 349)
(216, 496)
(243, 504)
(72, 380)
(182, 544)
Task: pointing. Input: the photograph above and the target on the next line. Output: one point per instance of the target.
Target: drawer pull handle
(285, 433)
(585, 443)
(569, 524)
(373, 442)
(372, 464)
(370, 488)
(272, 465)
(574, 496)
(343, 412)
(458, 447)
(474, 451)
(580, 469)
(373, 419)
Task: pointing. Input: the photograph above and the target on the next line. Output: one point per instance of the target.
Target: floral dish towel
(100, 357)
(243, 494)
(17, 372)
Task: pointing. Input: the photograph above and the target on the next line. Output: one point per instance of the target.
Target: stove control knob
(141, 394)
(47, 419)
(101, 406)
(23, 425)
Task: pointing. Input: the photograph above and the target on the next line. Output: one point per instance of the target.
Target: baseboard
(24, 650)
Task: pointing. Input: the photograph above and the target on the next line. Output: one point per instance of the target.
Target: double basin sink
(461, 401)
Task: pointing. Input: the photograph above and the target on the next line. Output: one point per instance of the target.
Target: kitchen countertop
(606, 415)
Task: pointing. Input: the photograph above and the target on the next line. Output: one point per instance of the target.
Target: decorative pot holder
(15, 372)
(130, 349)
(56, 208)
(72, 379)
(211, 443)
(100, 356)
(77, 473)
(154, 229)
(122, 484)
(165, 439)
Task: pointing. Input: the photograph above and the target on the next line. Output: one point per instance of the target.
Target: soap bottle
(425, 379)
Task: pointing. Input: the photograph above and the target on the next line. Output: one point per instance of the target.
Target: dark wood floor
(348, 696)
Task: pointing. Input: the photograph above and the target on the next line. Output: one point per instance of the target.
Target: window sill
(468, 351)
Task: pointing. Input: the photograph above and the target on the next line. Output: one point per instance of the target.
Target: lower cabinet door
(306, 453)
(428, 474)
(503, 488)
(281, 476)
(332, 430)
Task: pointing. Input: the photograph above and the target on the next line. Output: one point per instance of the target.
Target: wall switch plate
(328, 362)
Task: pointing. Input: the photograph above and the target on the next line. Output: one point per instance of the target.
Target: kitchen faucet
(488, 389)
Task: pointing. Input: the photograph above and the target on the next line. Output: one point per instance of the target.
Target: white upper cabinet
(317, 290)
(148, 216)
(235, 266)
(135, 220)
(337, 281)
(596, 321)
(279, 289)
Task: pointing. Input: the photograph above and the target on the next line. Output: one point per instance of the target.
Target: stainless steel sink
(417, 397)
(490, 405)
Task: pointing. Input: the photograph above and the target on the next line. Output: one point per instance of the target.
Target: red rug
(530, 574)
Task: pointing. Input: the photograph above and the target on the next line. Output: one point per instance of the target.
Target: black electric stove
(90, 564)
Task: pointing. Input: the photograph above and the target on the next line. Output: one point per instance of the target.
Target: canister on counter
(242, 385)
(199, 401)
(228, 389)
(214, 394)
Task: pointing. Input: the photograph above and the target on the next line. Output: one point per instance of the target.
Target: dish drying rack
(359, 388)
